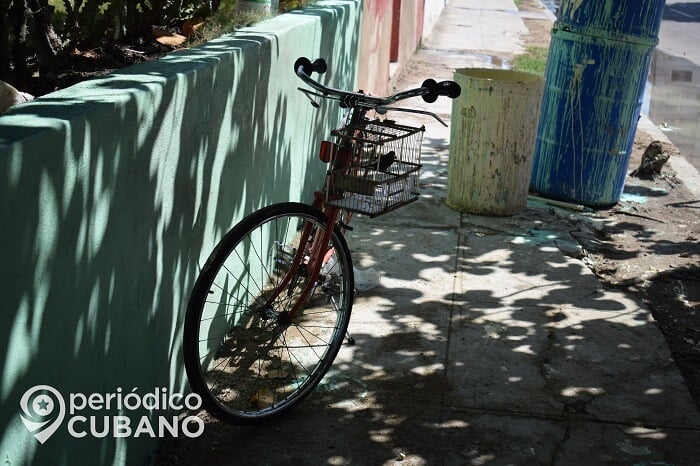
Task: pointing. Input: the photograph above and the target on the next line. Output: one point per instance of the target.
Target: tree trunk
(48, 44)
(5, 73)
(131, 19)
(20, 49)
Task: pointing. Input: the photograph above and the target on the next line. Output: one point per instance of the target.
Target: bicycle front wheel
(243, 354)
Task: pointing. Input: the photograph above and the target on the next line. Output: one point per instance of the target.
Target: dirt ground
(648, 243)
(649, 246)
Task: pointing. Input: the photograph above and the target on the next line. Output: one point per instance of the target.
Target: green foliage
(227, 18)
(87, 21)
(47, 32)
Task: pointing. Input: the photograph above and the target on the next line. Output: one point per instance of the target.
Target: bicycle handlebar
(430, 90)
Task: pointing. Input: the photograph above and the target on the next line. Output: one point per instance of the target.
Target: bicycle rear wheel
(243, 354)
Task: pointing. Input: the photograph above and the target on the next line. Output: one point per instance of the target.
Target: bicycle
(270, 308)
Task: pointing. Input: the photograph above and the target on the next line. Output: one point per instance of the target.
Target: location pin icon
(43, 410)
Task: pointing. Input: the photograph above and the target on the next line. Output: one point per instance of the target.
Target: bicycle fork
(320, 253)
(314, 258)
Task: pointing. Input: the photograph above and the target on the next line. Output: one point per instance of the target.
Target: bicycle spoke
(270, 308)
(252, 358)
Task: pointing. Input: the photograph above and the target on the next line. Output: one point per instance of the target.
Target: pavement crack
(584, 298)
(568, 417)
(558, 447)
(450, 326)
(543, 355)
(436, 227)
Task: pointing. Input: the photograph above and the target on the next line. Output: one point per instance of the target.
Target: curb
(685, 171)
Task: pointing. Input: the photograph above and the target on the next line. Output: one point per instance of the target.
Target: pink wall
(375, 46)
(410, 28)
(391, 33)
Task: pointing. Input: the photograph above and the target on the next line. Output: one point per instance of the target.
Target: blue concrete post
(596, 72)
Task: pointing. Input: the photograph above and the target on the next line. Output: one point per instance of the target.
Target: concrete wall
(431, 13)
(114, 191)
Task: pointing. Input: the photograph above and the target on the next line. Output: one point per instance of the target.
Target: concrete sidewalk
(485, 340)
(528, 358)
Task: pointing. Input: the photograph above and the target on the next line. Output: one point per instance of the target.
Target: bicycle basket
(385, 167)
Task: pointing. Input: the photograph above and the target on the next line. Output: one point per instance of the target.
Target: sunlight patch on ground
(576, 391)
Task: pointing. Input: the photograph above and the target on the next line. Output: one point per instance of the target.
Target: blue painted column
(596, 72)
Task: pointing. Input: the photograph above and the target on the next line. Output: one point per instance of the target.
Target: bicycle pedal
(345, 226)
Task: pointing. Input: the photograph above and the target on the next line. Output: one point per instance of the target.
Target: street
(675, 78)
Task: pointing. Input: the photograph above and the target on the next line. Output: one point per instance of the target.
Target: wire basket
(385, 167)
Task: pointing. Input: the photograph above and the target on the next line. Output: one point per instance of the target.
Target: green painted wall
(112, 194)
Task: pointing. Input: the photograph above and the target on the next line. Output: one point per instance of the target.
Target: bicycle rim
(243, 356)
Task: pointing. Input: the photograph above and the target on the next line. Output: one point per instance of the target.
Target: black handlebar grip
(432, 94)
(450, 89)
(447, 88)
(319, 65)
(305, 64)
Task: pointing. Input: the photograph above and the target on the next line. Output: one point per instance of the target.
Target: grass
(532, 61)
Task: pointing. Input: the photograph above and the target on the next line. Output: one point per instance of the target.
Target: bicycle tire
(247, 363)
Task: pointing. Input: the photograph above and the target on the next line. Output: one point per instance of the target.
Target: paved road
(678, 37)
(679, 34)
(680, 29)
